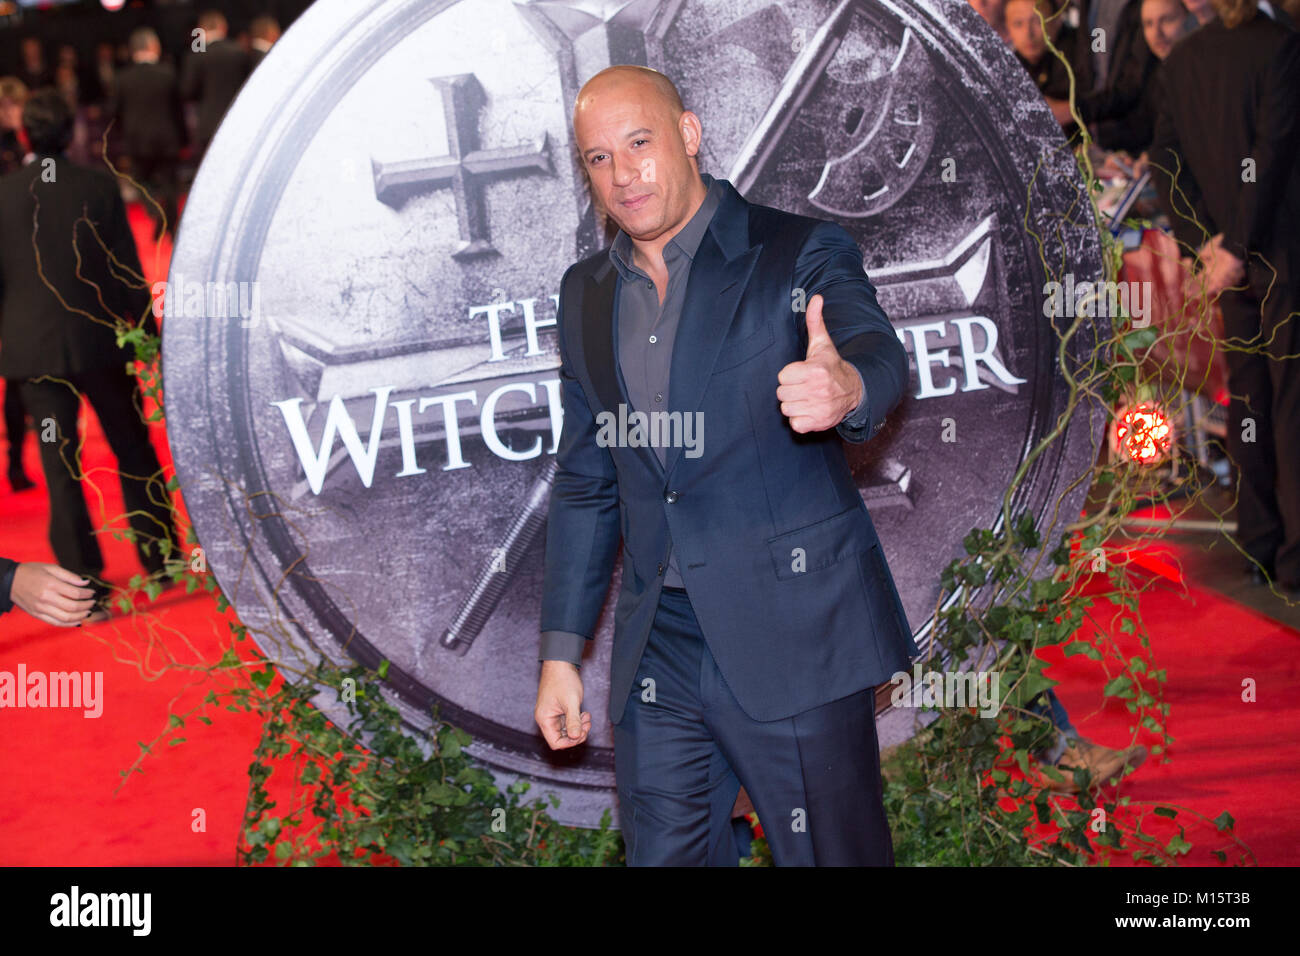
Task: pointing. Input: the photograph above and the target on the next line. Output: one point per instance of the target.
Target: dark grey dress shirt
(646, 333)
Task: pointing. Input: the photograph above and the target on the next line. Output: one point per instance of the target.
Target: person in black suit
(1225, 157)
(1116, 110)
(213, 75)
(35, 70)
(147, 108)
(757, 610)
(58, 317)
(13, 94)
(263, 33)
(1030, 24)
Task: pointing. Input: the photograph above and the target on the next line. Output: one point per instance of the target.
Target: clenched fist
(559, 711)
(818, 392)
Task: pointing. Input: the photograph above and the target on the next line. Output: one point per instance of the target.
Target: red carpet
(1226, 754)
(58, 805)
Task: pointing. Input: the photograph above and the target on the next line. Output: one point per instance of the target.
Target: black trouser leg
(115, 396)
(53, 406)
(157, 174)
(1264, 423)
(15, 423)
(1282, 329)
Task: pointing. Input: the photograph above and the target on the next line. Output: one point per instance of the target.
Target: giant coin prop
(360, 363)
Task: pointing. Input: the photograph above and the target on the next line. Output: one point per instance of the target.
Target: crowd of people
(66, 283)
(1204, 95)
(159, 109)
(1109, 51)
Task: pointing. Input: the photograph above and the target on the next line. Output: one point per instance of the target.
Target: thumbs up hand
(818, 392)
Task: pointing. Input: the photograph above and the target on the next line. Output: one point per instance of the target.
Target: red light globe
(1144, 433)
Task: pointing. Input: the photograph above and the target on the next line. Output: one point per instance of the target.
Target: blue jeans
(1050, 706)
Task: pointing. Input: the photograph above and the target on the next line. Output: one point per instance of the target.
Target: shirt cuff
(857, 418)
(562, 646)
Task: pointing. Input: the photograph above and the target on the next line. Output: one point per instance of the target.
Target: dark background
(85, 24)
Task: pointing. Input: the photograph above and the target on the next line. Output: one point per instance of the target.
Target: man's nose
(625, 171)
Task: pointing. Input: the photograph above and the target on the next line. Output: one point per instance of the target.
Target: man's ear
(692, 132)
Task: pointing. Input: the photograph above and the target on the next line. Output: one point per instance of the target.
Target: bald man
(712, 359)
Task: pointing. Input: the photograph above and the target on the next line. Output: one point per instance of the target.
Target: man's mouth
(635, 203)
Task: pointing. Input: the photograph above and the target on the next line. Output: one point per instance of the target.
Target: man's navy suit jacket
(775, 546)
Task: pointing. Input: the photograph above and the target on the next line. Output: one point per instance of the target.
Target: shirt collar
(687, 239)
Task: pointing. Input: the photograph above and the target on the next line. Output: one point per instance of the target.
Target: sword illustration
(795, 89)
(497, 570)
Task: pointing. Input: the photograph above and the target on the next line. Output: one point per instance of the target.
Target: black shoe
(1260, 574)
(18, 479)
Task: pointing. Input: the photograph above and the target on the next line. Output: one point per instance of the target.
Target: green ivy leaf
(1120, 686)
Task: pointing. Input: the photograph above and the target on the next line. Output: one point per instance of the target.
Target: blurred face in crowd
(991, 11)
(637, 149)
(1025, 31)
(1203, 10)
(33, 55)
(11, 114)
(1161, 21)
(213, 26)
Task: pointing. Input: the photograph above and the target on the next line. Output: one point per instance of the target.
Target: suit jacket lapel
(719, 274)
(598, 299)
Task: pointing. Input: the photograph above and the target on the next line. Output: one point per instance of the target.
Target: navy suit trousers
(684, 747)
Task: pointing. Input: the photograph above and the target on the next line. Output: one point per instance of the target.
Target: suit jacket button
(670, 496)
(661, 569)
